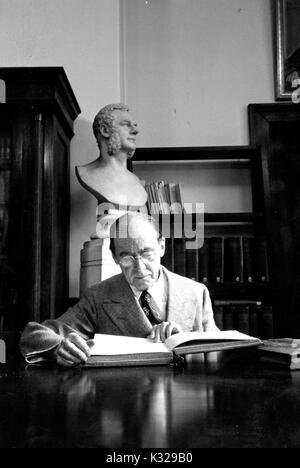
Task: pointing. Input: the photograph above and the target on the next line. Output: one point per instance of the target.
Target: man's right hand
(72, 351)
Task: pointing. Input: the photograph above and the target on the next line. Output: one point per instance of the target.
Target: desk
(197, 405)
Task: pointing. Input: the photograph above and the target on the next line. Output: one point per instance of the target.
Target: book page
(111, 345)
(185, 337)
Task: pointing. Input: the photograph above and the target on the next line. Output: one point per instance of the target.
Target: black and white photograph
(149, 226)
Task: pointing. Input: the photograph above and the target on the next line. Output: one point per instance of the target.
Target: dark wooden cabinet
(36, 126)
(275, 129)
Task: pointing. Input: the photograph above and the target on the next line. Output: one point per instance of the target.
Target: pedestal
(97, 263)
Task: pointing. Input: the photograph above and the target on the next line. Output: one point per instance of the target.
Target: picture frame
(287, 48)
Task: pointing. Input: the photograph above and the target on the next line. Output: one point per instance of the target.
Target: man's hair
(105, 117)
(120, 228)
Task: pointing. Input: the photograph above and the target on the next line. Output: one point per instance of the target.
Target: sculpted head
(114, 126)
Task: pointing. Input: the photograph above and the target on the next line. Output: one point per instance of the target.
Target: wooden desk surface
(242, 405)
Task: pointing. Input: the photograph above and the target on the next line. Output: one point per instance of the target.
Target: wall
(192, 66)
(83, 37)
(189, 70)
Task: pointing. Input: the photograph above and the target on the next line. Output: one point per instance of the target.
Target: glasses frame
(131, 259)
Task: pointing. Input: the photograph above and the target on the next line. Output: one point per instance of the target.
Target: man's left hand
(163, 330)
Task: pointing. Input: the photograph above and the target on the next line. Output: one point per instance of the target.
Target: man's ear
(162, 246)
(105, 130)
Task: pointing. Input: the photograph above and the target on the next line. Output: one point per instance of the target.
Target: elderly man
(145, 300)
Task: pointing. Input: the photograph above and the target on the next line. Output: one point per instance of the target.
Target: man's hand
(73, 350)
(162, 331)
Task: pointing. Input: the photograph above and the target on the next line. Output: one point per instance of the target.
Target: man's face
(123, 133)
(143, 272)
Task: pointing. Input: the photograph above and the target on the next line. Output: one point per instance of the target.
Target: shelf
(232, 217)
(212, 153)
(216, 217)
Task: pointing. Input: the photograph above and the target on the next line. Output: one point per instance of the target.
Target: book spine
(168, 258)
(203, 262)
(253, 322)
(178, 195)
(191, 264)
(149, 198)
(218, 316)
(233, 259)
(4, 186)
(266, 326)
(2, 148)
(228, 317)
(174, 208)
(5, 147)
(261, 259)
(179, 256)
(242, 319)
(248, 259)
(3, 229)
(216, 259)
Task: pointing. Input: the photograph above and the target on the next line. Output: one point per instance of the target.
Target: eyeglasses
(128, 260)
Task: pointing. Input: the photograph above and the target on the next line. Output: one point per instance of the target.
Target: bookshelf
(237, 173)
(274, 128)
(36, 126)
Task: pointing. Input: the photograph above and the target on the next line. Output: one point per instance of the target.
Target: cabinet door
(276, 129)
(34, 221)
(55, 222)
(6, 286)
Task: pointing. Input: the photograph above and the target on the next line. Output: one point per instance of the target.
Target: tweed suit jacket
(111, 308)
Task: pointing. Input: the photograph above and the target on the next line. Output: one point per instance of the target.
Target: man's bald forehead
(134, 225)
(131, 226)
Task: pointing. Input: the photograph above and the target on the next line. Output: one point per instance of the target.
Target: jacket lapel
(180, 307)
(123, 310)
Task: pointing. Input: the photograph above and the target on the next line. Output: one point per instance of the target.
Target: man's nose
(138, 261)
(134, 129)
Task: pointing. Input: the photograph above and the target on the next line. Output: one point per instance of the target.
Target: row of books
(220, 259)
(248, 317)
(164, 198)
(5, 148)
(4, 186)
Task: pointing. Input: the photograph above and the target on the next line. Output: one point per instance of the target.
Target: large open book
(114, 350)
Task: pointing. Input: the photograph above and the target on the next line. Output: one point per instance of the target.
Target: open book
(114, 350)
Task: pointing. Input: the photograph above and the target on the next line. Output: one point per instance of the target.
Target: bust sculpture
(107, 177)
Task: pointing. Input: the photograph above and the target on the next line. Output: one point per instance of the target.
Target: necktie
(150, 307)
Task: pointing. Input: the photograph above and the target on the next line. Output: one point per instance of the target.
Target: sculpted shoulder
(120, 187)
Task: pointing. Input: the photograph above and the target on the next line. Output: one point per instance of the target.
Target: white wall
(191, 67)
(83, 37)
